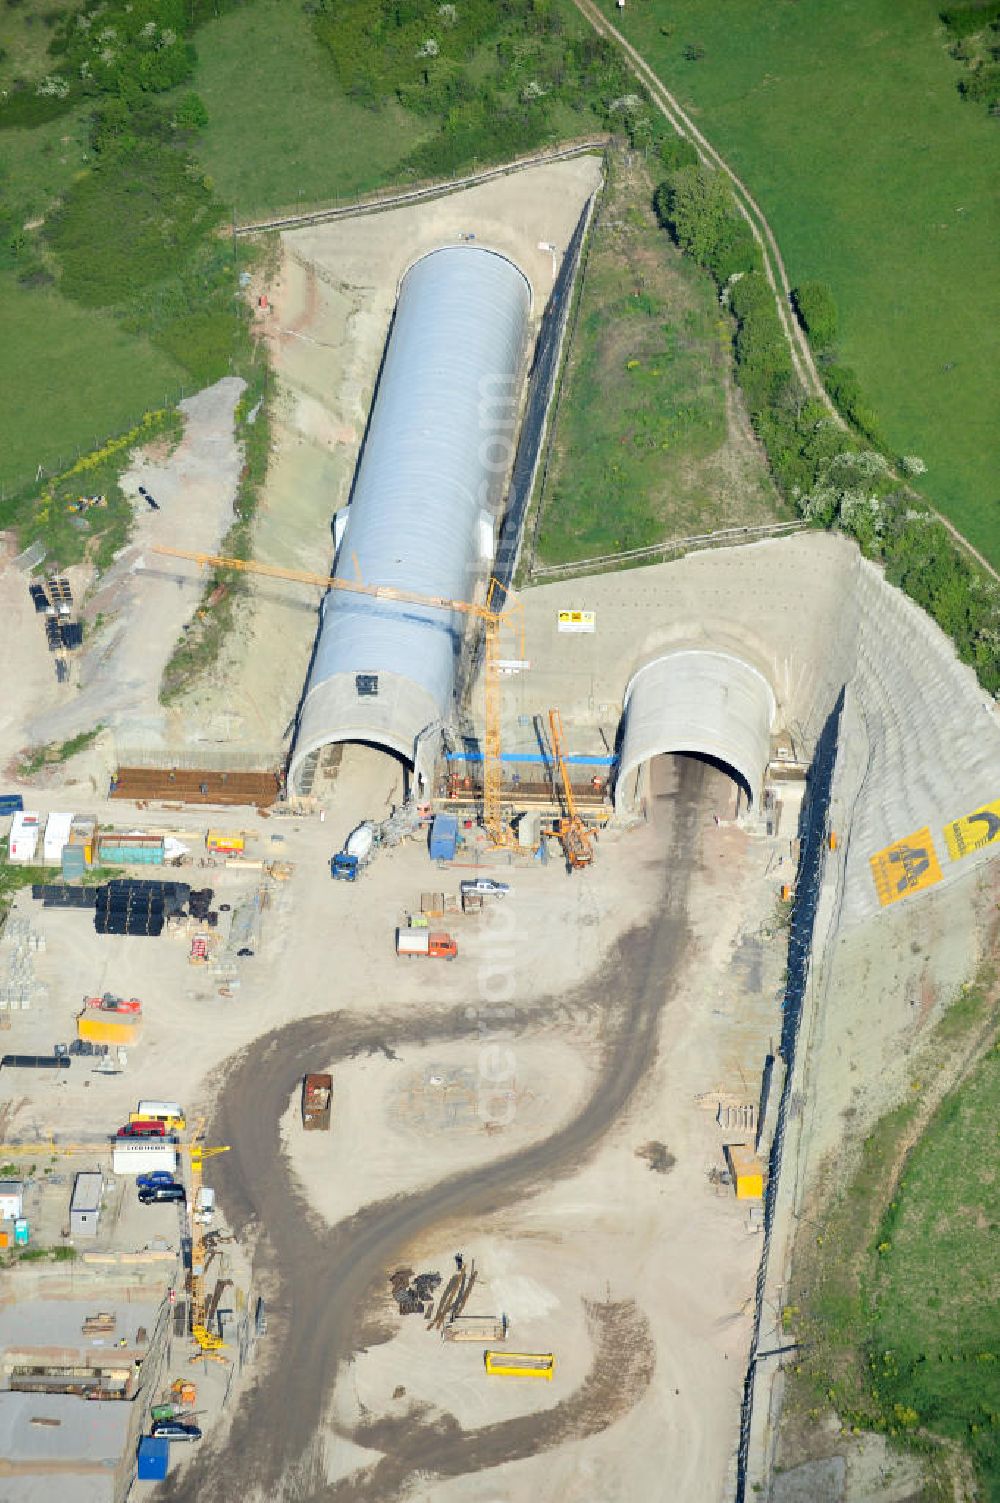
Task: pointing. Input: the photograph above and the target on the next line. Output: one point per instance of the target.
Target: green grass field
(72, 377)
(280, 132)
(845, 122)
(897, 1302)
(936, 1334)
(641, 450)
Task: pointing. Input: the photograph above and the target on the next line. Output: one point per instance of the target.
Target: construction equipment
(574, 836)
(197, 1153)
(520, 1364)
(495, 614)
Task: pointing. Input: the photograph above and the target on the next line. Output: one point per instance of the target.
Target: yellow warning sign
(908, 866)
(973, 831)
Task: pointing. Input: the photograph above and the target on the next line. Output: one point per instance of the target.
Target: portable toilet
(21, 1234)
(154, 1458)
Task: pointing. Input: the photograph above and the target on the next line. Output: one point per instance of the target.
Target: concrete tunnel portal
(696, 702)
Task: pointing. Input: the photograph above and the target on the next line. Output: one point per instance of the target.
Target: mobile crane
(576, 839)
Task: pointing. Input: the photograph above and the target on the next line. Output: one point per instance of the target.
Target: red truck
(423, 942)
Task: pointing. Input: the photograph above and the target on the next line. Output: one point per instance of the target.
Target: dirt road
(320, 1281)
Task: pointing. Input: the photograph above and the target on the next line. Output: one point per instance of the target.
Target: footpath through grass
(897, 1301)
(642, 449)
(846, 123)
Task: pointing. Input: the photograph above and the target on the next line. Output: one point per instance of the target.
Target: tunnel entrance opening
(361, 779)
(725, 785)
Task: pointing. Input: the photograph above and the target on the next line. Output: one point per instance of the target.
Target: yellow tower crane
(494, 616)
(577, 840)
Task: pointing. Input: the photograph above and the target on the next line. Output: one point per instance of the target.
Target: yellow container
(520, 1364)
(225, 842)
(747, 1171)
(107, 1030)
(4, 1239)
(833, 840)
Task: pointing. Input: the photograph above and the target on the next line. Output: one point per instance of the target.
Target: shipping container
(85, 1206)
(143, 1158)
(106, 1028)
(317, 1095)
(73, 861)
(444, 837)
(119, 849)
(11, 803)
(747, 1171)
(154, 1458)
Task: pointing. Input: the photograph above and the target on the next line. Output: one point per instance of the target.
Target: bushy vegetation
(133, 235)
(493, 77)
(835, 479)
(974, 36)
(639, 450)
(51, 513)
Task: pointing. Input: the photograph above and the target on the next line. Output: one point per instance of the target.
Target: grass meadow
(846, 124)
(280, 131)
(79, 377)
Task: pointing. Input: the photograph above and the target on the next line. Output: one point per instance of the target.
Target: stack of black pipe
(139, 908)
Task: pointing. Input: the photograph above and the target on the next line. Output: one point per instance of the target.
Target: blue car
(154, 1181)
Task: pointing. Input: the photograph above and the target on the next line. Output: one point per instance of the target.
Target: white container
(143, 1158)
(412, 941)
(11, 1199)
(23, 837)
(57, 830)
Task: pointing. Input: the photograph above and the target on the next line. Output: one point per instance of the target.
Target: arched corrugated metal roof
(711, 703)
(439, 442)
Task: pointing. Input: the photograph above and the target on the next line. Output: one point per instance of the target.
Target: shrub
(817, 312)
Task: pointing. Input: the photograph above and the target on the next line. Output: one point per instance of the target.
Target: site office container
(170, 1113)
(226, 842)
(23, 841)
(444, 837)
(130, 1156)
(57, 833)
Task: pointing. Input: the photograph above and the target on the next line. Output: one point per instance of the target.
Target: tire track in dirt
(320, 1282)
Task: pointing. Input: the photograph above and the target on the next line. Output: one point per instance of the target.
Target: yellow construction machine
(574, 836)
